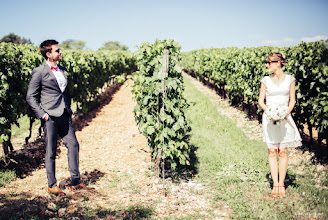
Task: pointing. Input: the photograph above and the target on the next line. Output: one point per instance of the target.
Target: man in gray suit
(48, 96)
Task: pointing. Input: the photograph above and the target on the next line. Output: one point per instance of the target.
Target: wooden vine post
(164, 74)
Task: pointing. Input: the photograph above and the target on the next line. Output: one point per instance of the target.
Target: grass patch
(236, 168)
(24, 125)
(6, 176)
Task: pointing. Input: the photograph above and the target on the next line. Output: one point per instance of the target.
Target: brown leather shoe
(81, 186)
(56, 190)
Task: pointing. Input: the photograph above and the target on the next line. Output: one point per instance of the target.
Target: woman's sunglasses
(269, 62)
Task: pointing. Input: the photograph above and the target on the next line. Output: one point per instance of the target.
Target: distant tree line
(113, 45)
(13, 38)
(73, 44)
(67, 44)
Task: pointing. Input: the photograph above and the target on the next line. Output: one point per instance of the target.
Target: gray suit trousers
(63, 127)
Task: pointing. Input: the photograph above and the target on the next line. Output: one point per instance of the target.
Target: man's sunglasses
(58, 50)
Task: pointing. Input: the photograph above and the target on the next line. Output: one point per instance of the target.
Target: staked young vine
(166, 130)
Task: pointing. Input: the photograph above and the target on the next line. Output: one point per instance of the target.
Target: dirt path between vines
(116, 161)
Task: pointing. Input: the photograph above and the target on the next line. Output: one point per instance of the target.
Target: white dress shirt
(60, 77)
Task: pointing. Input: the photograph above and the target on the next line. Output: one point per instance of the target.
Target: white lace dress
(286, 133)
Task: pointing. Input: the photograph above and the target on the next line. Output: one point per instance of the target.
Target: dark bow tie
(54, 68)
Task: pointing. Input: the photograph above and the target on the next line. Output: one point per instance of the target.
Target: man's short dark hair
(45, 47)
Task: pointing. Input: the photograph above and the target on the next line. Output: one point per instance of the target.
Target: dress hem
(292, 144)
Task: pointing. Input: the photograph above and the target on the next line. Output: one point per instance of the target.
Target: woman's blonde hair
(277, 57)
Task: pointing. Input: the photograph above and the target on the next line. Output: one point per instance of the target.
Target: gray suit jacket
(44, 94)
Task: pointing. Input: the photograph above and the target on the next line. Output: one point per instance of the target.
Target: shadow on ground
(24, 161)
(320, 151)
(182, 172)
(75, 204)
(72, 206)
(290, 180)
(86, 178)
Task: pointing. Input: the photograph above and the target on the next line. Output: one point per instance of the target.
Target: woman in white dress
(279, 131)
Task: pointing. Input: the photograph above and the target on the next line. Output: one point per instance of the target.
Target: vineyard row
(88, 72)
(236, 73)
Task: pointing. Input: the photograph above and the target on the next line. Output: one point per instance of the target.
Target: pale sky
(193, 24)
